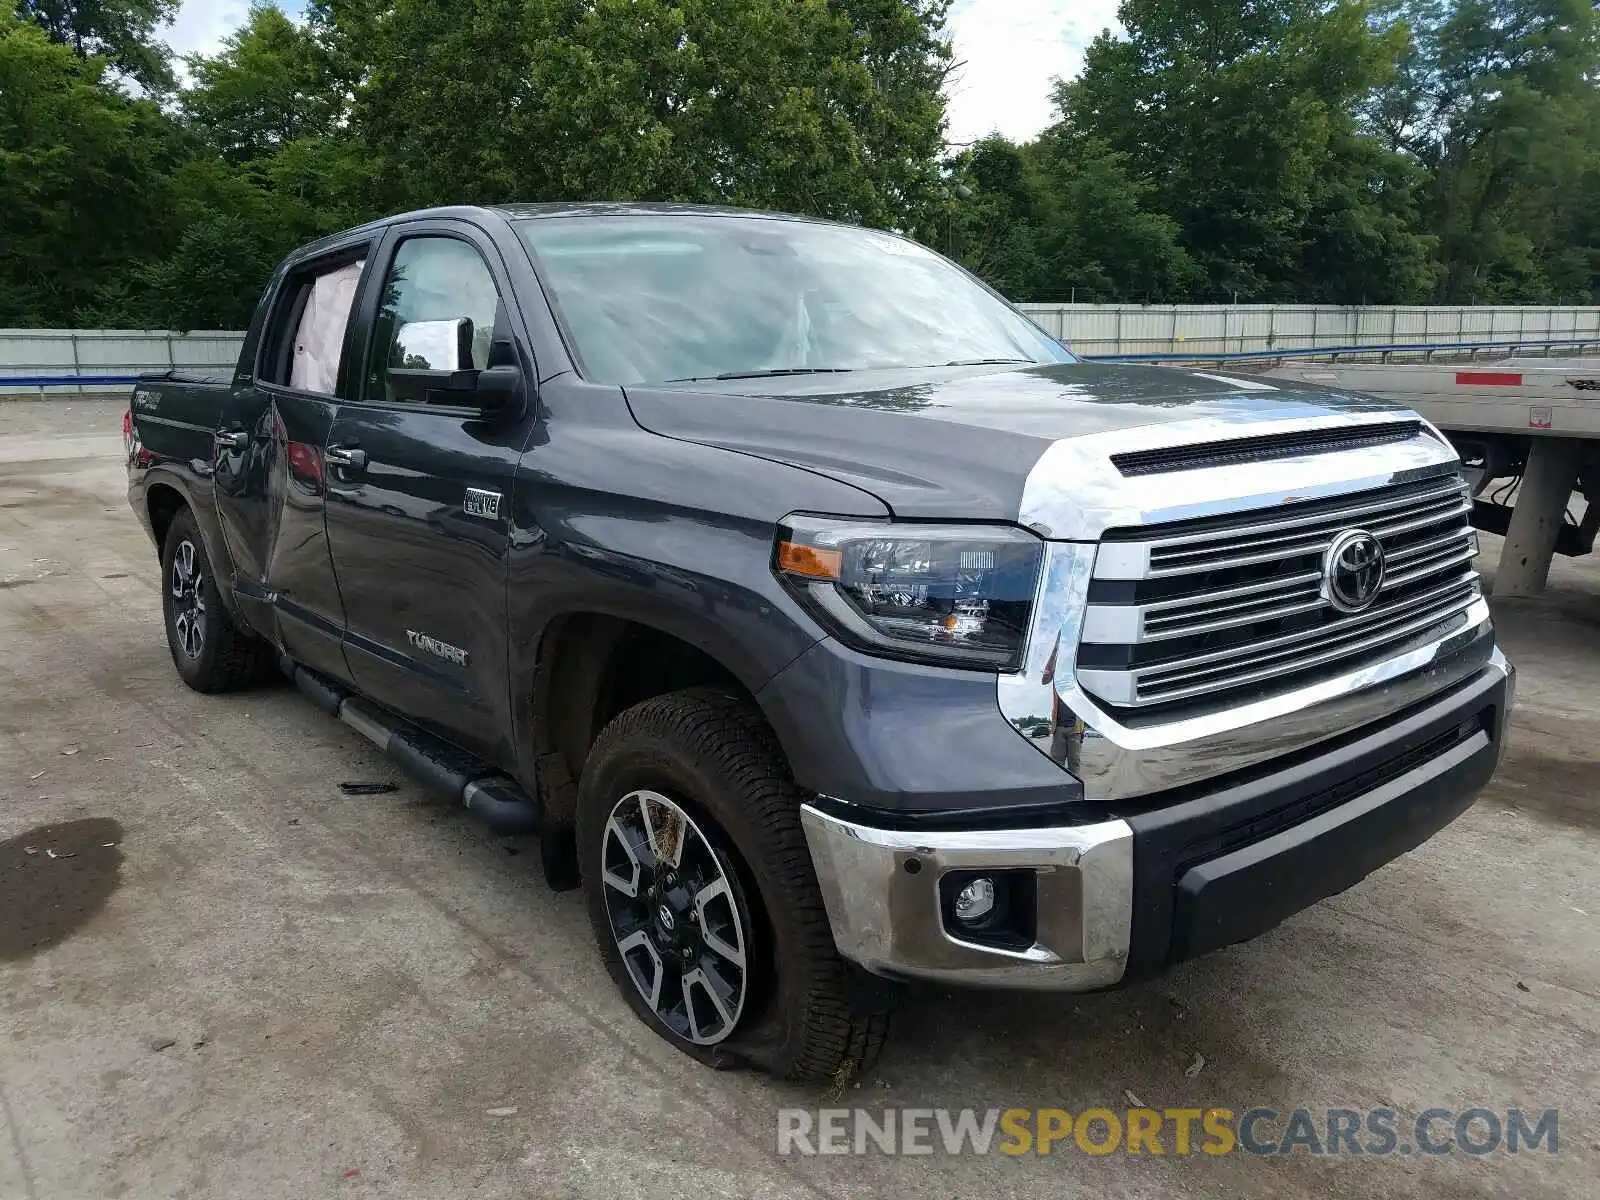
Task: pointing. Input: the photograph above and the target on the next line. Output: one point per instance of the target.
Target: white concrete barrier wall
(88, 353)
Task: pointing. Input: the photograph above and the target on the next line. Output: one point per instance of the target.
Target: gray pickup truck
(828, 622)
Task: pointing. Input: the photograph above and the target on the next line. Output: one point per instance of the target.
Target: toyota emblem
(1352, 571)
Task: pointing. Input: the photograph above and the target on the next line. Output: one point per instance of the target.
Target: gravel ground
(243, 983)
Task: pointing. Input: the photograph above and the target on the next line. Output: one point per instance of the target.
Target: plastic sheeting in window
(319, 341)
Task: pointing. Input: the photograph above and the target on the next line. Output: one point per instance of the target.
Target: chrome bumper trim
(888, 919)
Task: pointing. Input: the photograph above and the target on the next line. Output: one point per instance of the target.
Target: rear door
(269, 475)
(419, 492)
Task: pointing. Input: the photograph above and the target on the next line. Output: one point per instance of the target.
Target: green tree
(993, 218)
(1062, 217)
(273, 167)
(120, 31)
(1354, 151)
(827, 108)
(1362, 241)
(271, 84)
(1240, 116)
(1498, 102)
(1105, 235)
(81, 170)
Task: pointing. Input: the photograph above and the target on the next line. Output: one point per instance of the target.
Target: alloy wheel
(676, 915)
(188, 600)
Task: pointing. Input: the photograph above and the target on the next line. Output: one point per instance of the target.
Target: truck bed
(175, 413)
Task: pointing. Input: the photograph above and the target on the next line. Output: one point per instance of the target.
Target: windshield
(656, 298)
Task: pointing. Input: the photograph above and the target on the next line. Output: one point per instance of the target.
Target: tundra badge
(480, 503)
(437, 648)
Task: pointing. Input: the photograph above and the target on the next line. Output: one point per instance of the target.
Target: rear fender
(197, 497)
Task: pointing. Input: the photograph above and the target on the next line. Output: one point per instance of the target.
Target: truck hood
(952, 443)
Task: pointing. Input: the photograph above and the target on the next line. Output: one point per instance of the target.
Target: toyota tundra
(829, 623)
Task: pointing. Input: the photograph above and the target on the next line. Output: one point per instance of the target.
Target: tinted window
(652, 298)
(432, 279)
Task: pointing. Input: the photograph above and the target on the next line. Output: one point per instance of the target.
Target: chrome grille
(1232, 608)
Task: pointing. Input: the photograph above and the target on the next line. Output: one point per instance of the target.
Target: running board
(499, 802)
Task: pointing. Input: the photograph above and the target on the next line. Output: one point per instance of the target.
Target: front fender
(610, 520)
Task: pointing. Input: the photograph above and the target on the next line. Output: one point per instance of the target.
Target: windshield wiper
(783, 371)
(984, 362)
(763, 374)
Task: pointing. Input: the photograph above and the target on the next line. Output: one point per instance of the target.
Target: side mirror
(433, 345)
(435, 366)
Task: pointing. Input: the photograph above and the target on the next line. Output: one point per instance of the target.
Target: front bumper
(1146, 883)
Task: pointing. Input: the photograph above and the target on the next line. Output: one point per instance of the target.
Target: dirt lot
(245, 983)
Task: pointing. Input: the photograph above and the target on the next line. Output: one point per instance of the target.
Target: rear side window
(319, 340)
(308, 326)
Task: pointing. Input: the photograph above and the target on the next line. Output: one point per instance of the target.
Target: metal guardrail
(23, 387)
(66, 380)
(1383, 352)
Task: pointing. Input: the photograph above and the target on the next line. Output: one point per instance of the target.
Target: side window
(433, 282)
(319, 337)
(302, 339)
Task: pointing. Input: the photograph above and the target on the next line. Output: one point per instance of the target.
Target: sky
(201, 25)
(1010, 50)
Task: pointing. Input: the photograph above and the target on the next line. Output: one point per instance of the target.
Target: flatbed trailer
(1532, 422)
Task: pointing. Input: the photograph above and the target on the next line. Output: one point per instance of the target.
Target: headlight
(956, 595)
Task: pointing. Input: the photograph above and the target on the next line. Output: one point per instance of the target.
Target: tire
(711, 757)
(211, 653)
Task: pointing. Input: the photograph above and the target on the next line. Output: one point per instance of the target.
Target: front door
(419, 495)
(269, 476)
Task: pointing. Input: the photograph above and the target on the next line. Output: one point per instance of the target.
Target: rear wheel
(211, 653)
(702, 895)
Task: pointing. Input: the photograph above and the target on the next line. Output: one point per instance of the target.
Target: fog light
(975, 901)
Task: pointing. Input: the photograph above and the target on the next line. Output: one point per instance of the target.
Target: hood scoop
(1202, 455)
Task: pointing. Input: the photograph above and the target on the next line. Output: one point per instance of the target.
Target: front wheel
(677, 917)
(702, 895)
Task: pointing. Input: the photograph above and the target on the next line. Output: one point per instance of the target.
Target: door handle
(232, 439)
(352, 458)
